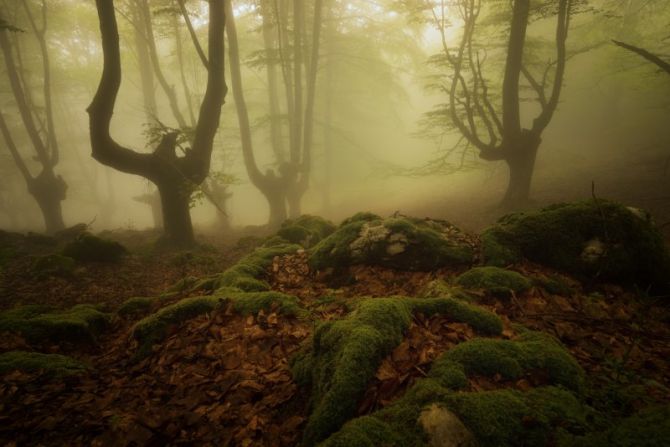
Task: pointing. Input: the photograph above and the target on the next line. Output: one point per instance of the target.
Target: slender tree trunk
(277, 202)
(49, 192)
(144, 64)
(273, 95)
(521, 164)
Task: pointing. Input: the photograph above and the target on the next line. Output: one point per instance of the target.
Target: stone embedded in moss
(89, 248)
(344, 355)
(51, 364)
(592, 239)
(306, 230)
(498, 281)
(53, 265)
(81, 323)
(402, 243)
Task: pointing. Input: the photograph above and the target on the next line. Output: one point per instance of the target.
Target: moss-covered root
(154, 328)
(481, 320)
(498, 281)
(51, 364)
(81, 323)
(247, 274)
(344, 356)
(511, 359)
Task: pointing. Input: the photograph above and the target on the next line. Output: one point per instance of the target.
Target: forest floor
(224, 379)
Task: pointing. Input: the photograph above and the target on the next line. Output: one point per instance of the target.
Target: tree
(175, 176)
(47, 188)
(645, 54)
(283, 190)
(495, 127)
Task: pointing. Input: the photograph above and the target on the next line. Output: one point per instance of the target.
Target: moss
(648, 428)
(591, 239)
(81, 323)
(402, 243)
(479, 319)
(439, 288)
(154, 328)
(136, 306)
(87, 248)
(363, 216)
(51, 364)
(498, 281)
(246, 303)
(512, 358)
(306, 230)
(553, 284)
(366, 431)
(345, 355)
(183, 285)
(448, 373)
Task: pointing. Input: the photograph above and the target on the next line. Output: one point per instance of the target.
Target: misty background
(373, 148)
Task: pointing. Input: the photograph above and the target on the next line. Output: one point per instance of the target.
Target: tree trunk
(49, 192)
(176, 207)
(521, 163)
(277, 202)
(293, 199)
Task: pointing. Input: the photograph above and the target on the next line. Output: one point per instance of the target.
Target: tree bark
(521, 163)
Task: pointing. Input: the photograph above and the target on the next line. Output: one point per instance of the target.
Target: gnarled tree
(174, 175)
(47, 188)
(496, 130)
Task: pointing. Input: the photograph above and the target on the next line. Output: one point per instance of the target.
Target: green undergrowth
(53, 265)
(81, 323)
(498, 281)
(140, 305)
(87, 247)
(402, 243)
(50, 364)
(306, 230)
(503, 417)
(345, 354)
(593, 239)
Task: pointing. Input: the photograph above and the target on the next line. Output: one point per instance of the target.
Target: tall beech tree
(47, 188)
(174, 175)
(298, 64)
(496, 129)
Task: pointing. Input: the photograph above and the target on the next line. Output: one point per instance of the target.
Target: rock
(445, 429)
(401, 243)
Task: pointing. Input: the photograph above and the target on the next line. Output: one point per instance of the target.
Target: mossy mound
(51, 364)
(53, 265)
(89, 248)
(247, 274)
(81, 323)
(439, 288)
(402, 243)
(345, 354)
(595, 238)
(306, 230)
(648, 428)
(363, 216)
(498, 281)
(498, 418)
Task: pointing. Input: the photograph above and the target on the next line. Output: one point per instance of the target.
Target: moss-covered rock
(53, 265)
(592, 239)
(52, 364)
(402, 243)
(81, 323)
(89, 248)
(306, 230)
(498, 281)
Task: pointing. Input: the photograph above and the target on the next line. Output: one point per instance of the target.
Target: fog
(377, 143)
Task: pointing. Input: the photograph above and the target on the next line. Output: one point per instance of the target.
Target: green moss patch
(89, 248)
(596, 239)
(52, 364)
(402, 243)
(81, 323)
(498, 281)
(479, 319)
(306, 230)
